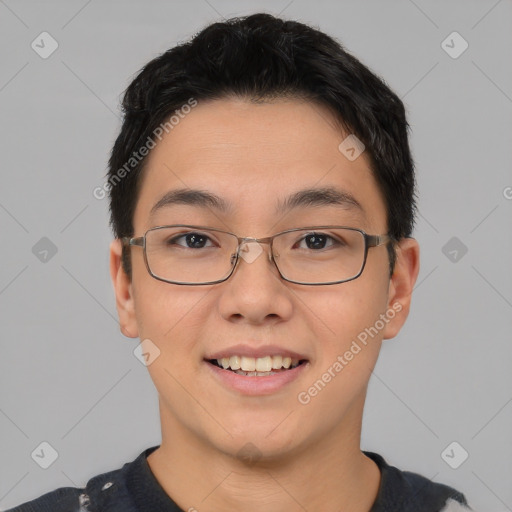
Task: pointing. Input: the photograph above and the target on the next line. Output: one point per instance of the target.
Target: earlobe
(401, 284)
(124, 292)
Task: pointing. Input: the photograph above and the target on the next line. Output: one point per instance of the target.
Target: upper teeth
(259, 364)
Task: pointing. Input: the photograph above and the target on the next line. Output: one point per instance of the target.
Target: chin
(260, 451)
(260, 441)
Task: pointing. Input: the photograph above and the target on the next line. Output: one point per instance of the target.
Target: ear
(124, 293)
(401, 284)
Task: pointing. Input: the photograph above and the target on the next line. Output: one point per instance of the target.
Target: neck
(330, 475)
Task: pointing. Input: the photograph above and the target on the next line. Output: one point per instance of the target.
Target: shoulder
(405, 491)
(455, 506)
(64, 499)
(106, 491)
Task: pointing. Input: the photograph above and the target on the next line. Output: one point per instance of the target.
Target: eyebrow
(191, 197)
(324, 196)
(310, 197)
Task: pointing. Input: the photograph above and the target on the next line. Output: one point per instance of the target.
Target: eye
(191, 240)
(316, 241)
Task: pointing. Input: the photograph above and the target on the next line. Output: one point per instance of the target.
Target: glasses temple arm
(126, 240)
(376, 240)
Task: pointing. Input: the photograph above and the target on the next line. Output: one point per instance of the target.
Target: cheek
(347, 351)
(344, 311)
(171, 316)
(349, 329)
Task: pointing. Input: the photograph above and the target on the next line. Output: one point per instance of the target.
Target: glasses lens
(189, 255)
(320, 255)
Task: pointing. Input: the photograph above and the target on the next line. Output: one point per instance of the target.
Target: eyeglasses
(195, 255)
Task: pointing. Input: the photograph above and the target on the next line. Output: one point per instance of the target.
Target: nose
(251, 248)
(255, 292)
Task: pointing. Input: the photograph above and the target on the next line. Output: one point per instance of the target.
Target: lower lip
(256, 385)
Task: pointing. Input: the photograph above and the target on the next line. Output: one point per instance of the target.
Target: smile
(256, 376)
(256, 366)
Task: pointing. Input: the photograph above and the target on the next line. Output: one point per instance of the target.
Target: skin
(308, 456)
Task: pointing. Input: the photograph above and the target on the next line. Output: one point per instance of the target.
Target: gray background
(68, 376)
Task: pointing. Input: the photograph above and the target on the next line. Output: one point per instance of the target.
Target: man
(262, 201)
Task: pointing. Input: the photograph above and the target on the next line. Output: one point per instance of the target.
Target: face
(253, 157)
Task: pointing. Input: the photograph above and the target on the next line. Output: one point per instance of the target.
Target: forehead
(256, 158)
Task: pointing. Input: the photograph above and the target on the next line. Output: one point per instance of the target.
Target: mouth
(257, 366)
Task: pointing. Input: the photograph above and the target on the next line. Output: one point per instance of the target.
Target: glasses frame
(369, 241)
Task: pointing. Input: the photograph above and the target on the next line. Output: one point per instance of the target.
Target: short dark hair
(262, 57)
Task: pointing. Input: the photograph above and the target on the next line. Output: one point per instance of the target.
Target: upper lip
(250, 351)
